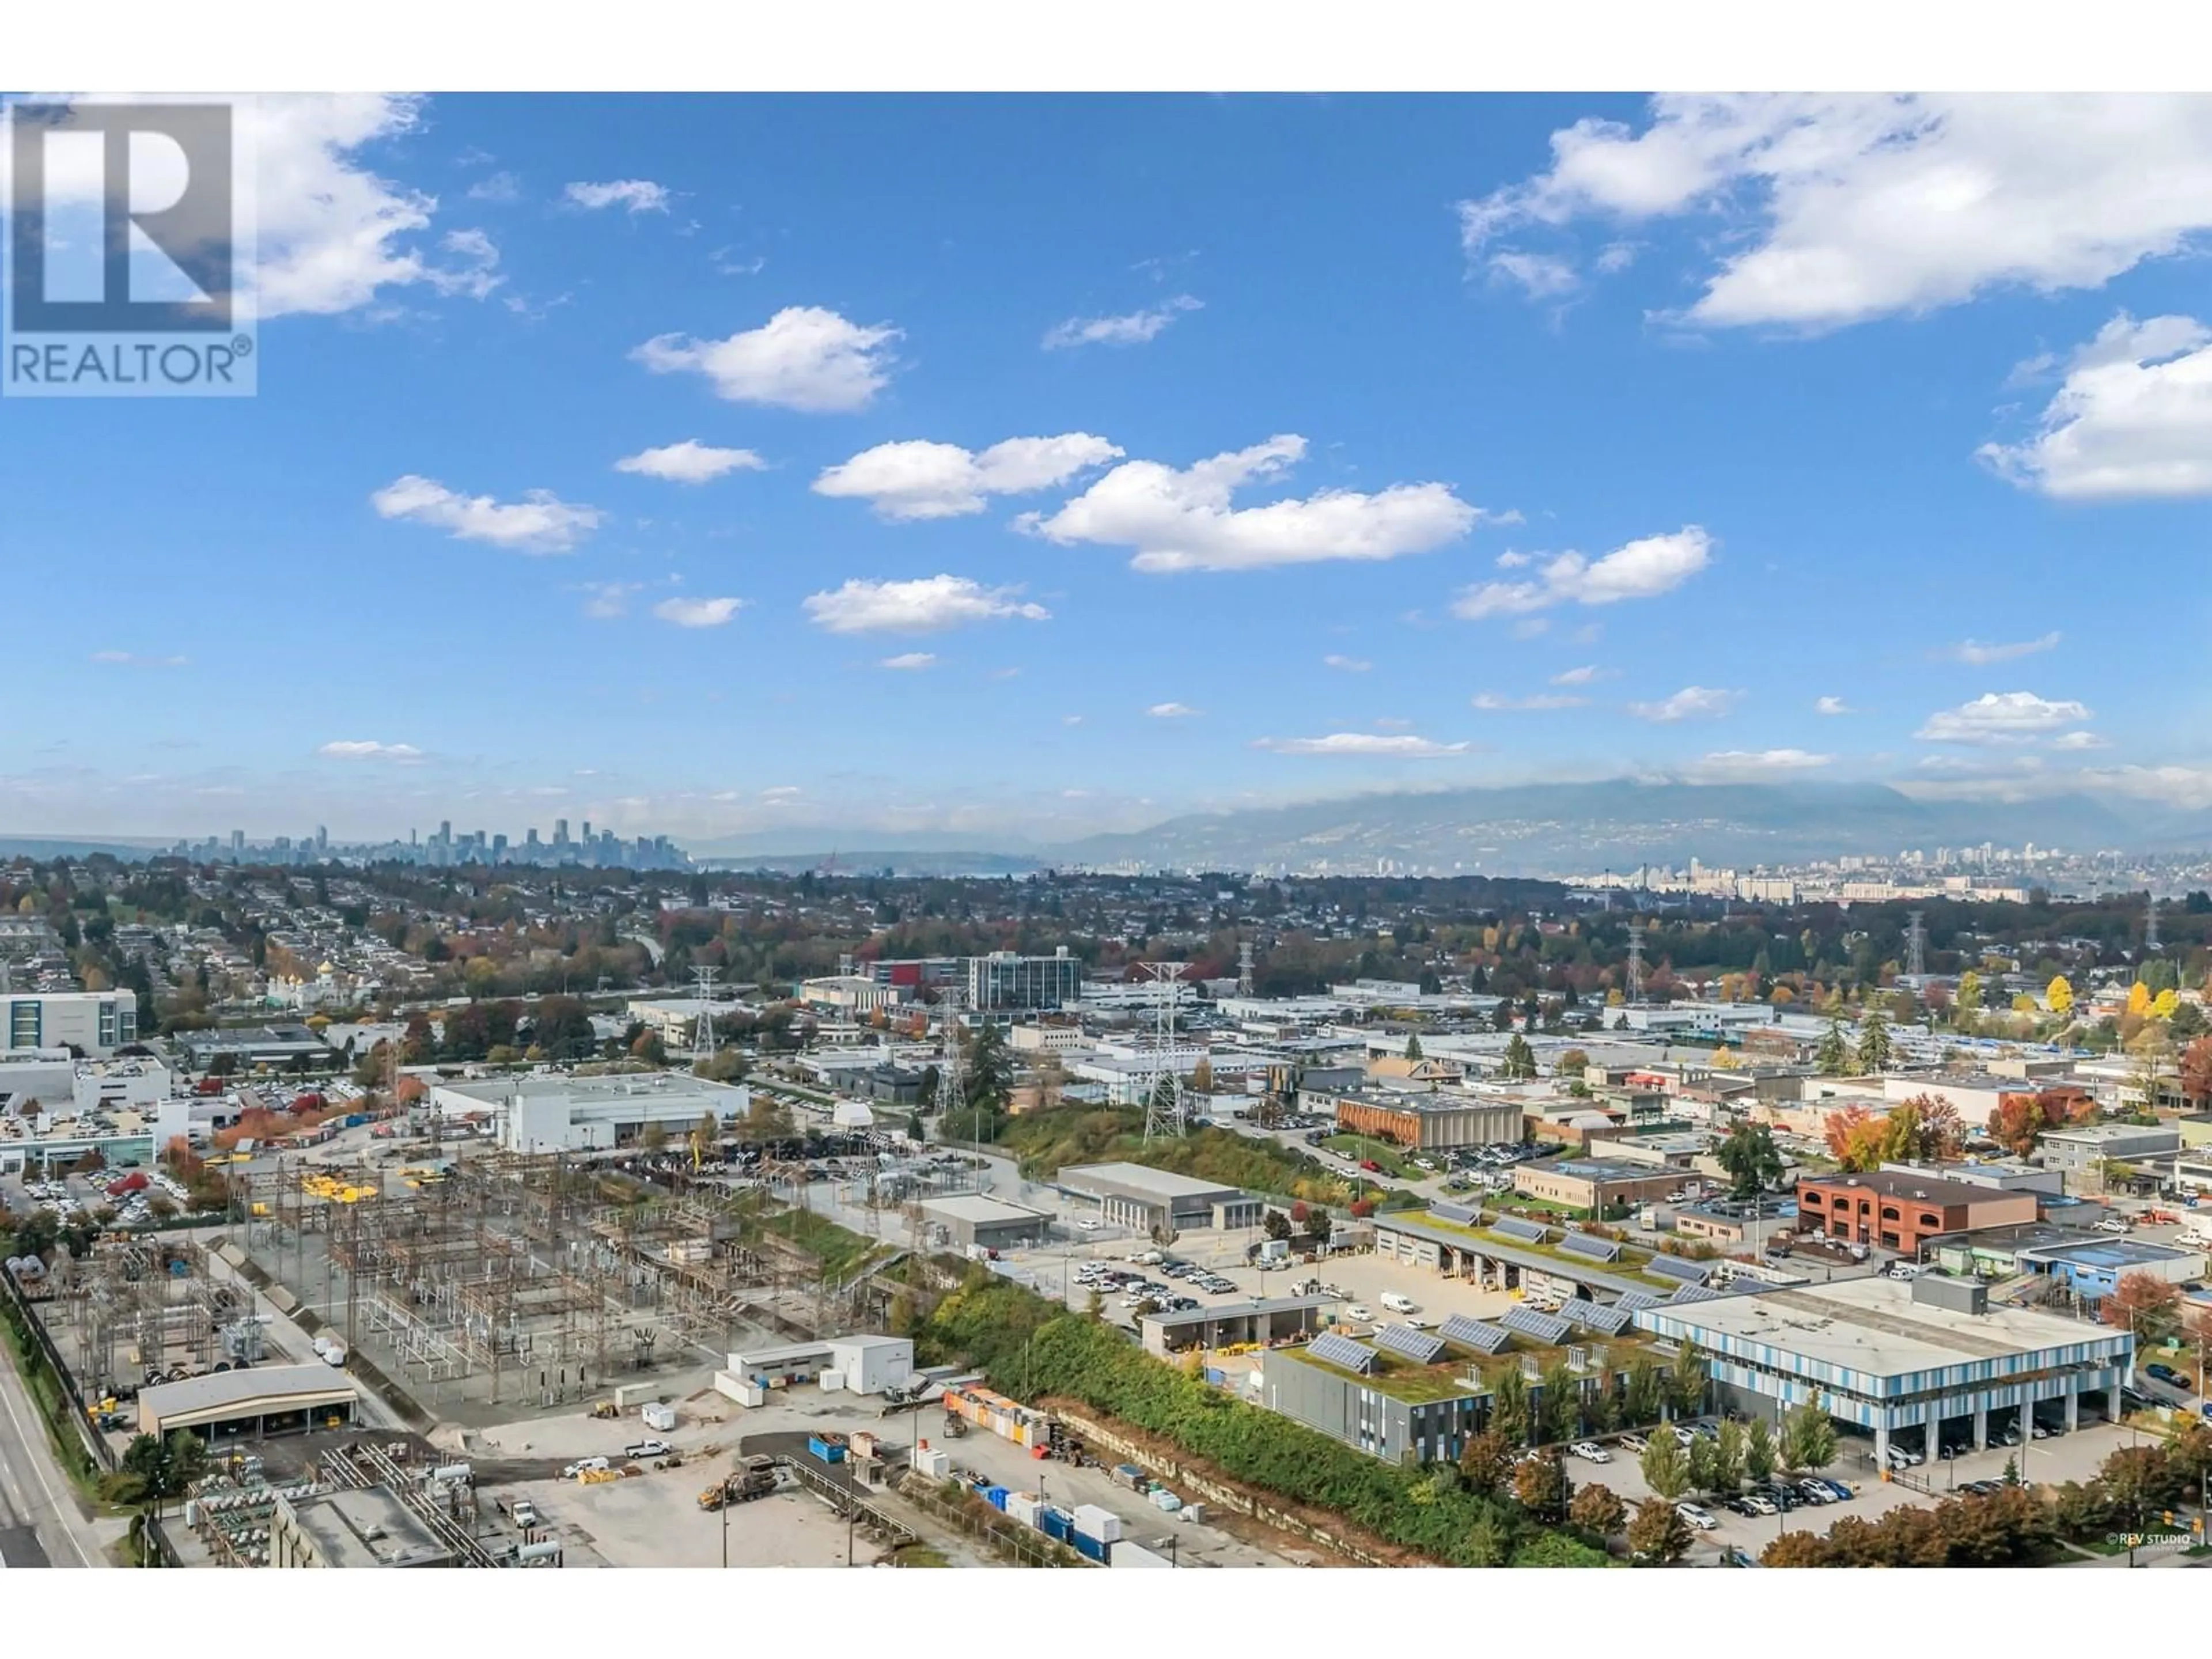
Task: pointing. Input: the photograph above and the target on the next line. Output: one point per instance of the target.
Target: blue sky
(1902, 406)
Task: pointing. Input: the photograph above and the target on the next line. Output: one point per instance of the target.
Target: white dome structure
(852, 1114)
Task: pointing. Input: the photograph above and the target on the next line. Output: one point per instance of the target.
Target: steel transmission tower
(1244, 968)
(704, 979)
(1164, 1084)
(1633, 991)
(1915, 944)
(951, 1084)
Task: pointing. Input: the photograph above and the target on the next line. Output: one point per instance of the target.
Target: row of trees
(2137, 1487)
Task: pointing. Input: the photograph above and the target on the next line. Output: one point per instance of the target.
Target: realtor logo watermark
(129, 241)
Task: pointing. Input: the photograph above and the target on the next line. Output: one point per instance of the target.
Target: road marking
(35, 1454)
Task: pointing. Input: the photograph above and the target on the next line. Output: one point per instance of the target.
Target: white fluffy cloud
(698, 613)
(1183, 520)
(1587, 674)
(1981, 653)
(916, 479)
(910, 660)
(140, 659)
(1641, 569)
(1832, 706)
(330, 235)
(2133, 418)
(1363, 746)
(1692, 702)
(367, 749)
(2001, 717)
(1133, 328)
(1490, 702)
(539, 523)
(1539, 275)
(1847, 206)
(1345, 665)
(804, 358)
(689, 462)
(929, 604)
(1753, 765)
(2072, 741)
(632, 195)
(1171, 711)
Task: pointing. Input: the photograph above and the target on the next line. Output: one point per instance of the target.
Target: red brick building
(1898, 1210)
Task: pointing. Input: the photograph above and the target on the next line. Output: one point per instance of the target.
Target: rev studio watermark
(125, 269)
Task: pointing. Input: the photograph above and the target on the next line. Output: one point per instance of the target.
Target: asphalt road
(40, 1525)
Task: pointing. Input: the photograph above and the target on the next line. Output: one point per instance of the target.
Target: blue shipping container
(1091, 1549)
(822, 1450)
(1057, 1524)
(997, 1495)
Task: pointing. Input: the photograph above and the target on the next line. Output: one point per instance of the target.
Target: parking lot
(2060, 1458)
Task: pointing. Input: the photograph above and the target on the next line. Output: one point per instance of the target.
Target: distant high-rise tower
(560, 832)
(237, 841)
(322, 839)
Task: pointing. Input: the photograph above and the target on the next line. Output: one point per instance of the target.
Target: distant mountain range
(1618, 825)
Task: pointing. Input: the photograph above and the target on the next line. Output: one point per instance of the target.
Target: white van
(1398, 1303)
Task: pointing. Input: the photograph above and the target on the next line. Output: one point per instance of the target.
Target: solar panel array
(1674, 1267)
(1695, 1293)
(1541, 1326)
(1403, 1340)
(1632, 1301)
(1332, 1350)
(1466, 1332)
(1465, 1214)
(1589, 1244)
(1530, 1232)
(1596, 1316)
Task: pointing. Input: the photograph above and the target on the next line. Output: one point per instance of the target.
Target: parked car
(1087, 1225)
(2112, 1224)
(1685, 1435)
(1758, 1503)
(2167, 1374)
(582, 1464)
(646, 1448)
(1696, 1518)
(1590, 1452)
(1360, 1311)
(1635, 1445)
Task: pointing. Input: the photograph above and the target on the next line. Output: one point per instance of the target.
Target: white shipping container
(1024, 1507)
(833, 1382)
(1127, 1554)
(934, 1463)
(1093, 1522)
(656, 1415)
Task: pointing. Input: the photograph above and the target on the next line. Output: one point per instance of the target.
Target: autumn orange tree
(2145, 1304)
(2196, 1071)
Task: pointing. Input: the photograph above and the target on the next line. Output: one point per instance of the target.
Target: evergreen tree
(1413, 1047)
(1519, 1063)
(1834, 1058)
(1874, 1043)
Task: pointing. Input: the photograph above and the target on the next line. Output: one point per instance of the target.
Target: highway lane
(39, 1523)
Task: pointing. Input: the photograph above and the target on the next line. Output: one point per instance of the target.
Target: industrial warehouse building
(1442, 1121)
(1273, 1319)
(1154, 1200)
(1892, 1358)
(263, 1401)
(545, 1114)
(2090, 1269)
(98, 1023)
(1594, 1184)
(1902, 1210)
(2079, 1150)
(970, 1220)
(366, 1527)
(861, 1364)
